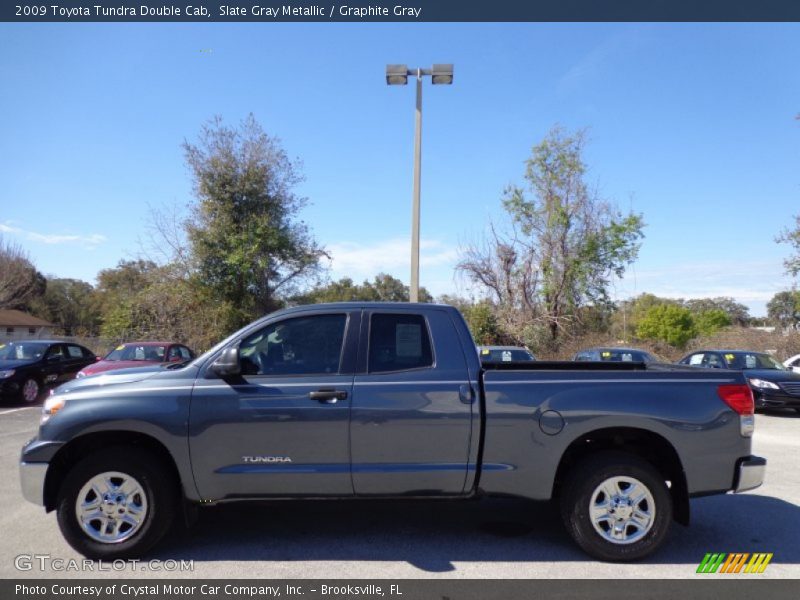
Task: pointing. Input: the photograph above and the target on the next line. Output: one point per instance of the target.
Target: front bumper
(775, 399)
(749, 473)
(31, 478)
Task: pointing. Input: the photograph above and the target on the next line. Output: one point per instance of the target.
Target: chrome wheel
(30, 391)
(111, 507)
(622, 510)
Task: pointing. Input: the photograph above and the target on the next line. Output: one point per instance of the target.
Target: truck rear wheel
(616, 506)
(116, 503)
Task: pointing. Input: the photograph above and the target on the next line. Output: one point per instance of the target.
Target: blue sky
(690, 124)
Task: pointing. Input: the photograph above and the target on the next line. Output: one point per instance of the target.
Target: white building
(18, 325)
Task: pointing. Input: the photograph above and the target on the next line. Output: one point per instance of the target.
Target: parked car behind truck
(139, 354)
(28, 367)
(774, 386)
(363, 400)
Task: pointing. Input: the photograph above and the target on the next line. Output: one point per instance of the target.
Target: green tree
(738, 313)
(483, 324)
(250, 248)
(156, 302)
(711, 321)
(783, 309)
(20, 282)
(669, 323)
(791, 236)
(630, 312)
(383, 288)
(565, 244)
(71, 305)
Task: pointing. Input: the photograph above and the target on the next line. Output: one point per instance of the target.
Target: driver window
(301, 346)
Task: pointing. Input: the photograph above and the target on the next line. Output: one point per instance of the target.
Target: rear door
(281, 429)
(75, 360)
(412, 407)
(53, 366)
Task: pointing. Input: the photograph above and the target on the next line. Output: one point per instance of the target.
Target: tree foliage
(383, 288)
(783, 309)
(20, 282)
(483, 324)
(791, 236)
(709, 322)
(737, 313)
(71, 305)
(248, 245)
(669, 323)
(564, 245)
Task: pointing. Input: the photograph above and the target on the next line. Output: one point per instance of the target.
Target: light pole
(398, 75)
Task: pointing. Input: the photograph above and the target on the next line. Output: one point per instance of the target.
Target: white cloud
(591, 66)
(363, 261)
(89, 242)
(752, 283)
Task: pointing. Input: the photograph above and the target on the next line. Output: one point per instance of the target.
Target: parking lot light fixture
(440, 74)
(396, 74)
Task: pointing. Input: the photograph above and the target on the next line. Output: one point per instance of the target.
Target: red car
(139, 354)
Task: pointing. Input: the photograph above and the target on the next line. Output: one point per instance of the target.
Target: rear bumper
(31, 478)
(749, 473)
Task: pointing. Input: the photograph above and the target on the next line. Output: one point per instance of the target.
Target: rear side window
(75, 351)
(398, 342)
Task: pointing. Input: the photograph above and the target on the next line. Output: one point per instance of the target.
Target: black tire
(33, 383)
(583, 482)
(159, 491)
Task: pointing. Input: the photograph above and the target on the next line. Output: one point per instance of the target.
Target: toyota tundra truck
(383, 400)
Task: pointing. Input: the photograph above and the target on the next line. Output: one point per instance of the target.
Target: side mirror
(227, 364)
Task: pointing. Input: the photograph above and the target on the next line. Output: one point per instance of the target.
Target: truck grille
(792, 387)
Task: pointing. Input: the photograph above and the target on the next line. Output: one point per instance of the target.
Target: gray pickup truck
(369, 400)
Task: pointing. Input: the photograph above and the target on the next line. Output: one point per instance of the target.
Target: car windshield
(22, 351)
(623, 356)
(505, 355)
(137, 352)
(752, 360)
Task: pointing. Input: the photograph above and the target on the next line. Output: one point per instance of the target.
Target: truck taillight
(740, 398)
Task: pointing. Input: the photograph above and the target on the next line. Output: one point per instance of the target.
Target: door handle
(328, 396)
(465, 394)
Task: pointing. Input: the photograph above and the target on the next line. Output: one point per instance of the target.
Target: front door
(281, 429)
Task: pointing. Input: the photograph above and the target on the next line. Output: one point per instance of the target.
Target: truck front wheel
(616, 506)
(116, 503)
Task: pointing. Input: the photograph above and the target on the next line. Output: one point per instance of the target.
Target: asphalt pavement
(495, 538)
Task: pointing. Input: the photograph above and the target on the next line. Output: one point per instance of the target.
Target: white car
(793, 363)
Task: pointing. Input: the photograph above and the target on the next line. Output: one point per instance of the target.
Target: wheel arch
(644, 443)
(80, 447)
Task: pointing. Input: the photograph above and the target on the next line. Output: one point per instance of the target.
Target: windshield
(611, 355)
(22, 351)
(505, 355)
(752, 360)
(137, 352)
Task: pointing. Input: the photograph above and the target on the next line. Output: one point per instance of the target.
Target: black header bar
(272, 11)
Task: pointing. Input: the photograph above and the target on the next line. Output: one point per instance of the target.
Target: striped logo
(741, 562)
